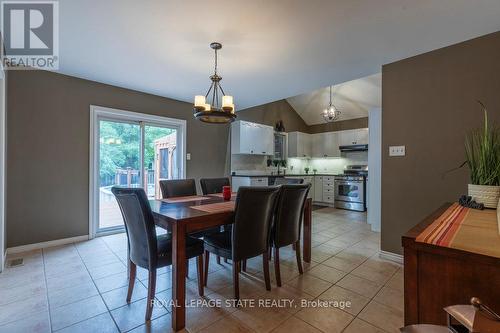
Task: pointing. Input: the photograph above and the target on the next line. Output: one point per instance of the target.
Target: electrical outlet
(188, 156)
(397, 150)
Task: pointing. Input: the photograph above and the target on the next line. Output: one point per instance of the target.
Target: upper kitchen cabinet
(325, 145)
(353, 137)
(251, 138)
(299, 145)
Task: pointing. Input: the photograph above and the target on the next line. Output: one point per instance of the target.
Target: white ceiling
(272, 49)
(354, 99)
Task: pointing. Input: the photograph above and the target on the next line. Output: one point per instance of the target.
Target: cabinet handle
(251, 151)
(264, 152)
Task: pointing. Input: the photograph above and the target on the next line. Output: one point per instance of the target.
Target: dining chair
(177, 188)
(249, 237)
(213, 185)
(287, 223)
(174, 188)
(145, 248)
(288, 181)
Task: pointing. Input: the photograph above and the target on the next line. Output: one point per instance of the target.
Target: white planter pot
(487, 195)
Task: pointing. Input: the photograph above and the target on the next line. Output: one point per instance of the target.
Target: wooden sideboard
(436, 276)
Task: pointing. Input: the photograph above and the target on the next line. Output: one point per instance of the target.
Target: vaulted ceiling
(271, 49)
(353, 99)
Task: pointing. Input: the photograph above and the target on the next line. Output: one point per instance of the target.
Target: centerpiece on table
(482, 148)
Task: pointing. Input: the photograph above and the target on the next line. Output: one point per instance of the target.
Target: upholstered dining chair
(249, 237)
(177, 188)
(288, 181)
(287, 222)
(145, 248)
(213, 185)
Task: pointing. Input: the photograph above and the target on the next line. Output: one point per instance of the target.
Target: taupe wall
(270, 113)
(339, 125)
(428, 104)
(48, 147)
(48, 150)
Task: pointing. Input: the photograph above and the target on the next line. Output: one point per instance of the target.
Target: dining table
(185, 215)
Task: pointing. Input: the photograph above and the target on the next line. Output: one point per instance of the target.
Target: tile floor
(81, 288)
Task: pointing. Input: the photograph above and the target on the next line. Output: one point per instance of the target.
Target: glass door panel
(119, 161)
(160, 157)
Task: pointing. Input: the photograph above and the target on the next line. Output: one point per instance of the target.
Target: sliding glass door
(131, 150)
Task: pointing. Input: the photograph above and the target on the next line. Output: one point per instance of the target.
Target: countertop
(286, 175)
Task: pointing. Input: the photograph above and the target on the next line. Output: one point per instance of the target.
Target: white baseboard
(42, 245)
(391, 256)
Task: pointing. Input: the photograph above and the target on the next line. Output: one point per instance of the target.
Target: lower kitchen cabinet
(248, 181)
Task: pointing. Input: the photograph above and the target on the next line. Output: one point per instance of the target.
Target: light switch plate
(188, 156)
(397, 150)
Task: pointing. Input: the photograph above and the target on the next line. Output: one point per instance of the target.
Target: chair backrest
(213, 185)
(289, 213)
(288, 181)
(139, 225)
(252, 221)
(177, 188)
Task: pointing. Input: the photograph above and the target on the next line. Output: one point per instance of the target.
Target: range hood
(351, 148)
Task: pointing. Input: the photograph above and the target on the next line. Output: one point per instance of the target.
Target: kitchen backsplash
(252, 163)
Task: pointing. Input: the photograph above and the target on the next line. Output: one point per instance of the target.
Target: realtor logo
(30, 34)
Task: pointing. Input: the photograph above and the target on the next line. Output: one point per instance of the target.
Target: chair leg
(205, 274)
(225, 260)
(244, 265)
(236, 281)
(277, 266)
(132, 270)
(199, 269)
(269, 253)
(267, 278)
(151, 294)
(218, 260)
(299, 259)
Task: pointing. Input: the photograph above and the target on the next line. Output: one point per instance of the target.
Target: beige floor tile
(372, 274)
(287, 297)
(326, 319)
(70, 314)
(396, 281)
(359, 285)
(323, 252)
(341, 264)
(118, 297)
(162, 324)
(295, 325)
(309, 284)
(262, 319)
(102, 323)
(228, 324)
(36, 323)
(23, 309)
(21, 292)
(349, 301)
(360, 326)
(132, 315)
(390, 297)
(327, 273)
(382, 316)
(60, 297)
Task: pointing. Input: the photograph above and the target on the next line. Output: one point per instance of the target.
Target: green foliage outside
(120, 147)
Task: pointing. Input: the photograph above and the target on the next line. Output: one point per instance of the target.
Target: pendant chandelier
(215, 107)
(331, 113)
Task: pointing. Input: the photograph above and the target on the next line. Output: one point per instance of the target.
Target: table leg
(307, 230)
(178, 276)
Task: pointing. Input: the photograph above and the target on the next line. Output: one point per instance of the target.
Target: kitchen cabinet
(325, 145)
(353, 137)
(299, 145)
(318, 189)
(251, 138)
(236, 182)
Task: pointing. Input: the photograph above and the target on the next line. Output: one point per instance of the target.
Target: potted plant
(482, 148)
(306, 169)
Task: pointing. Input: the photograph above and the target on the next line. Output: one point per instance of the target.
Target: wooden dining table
(196, 213)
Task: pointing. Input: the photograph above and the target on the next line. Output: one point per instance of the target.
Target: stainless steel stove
(350, 188)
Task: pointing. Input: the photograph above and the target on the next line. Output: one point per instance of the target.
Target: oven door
(348, 190)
